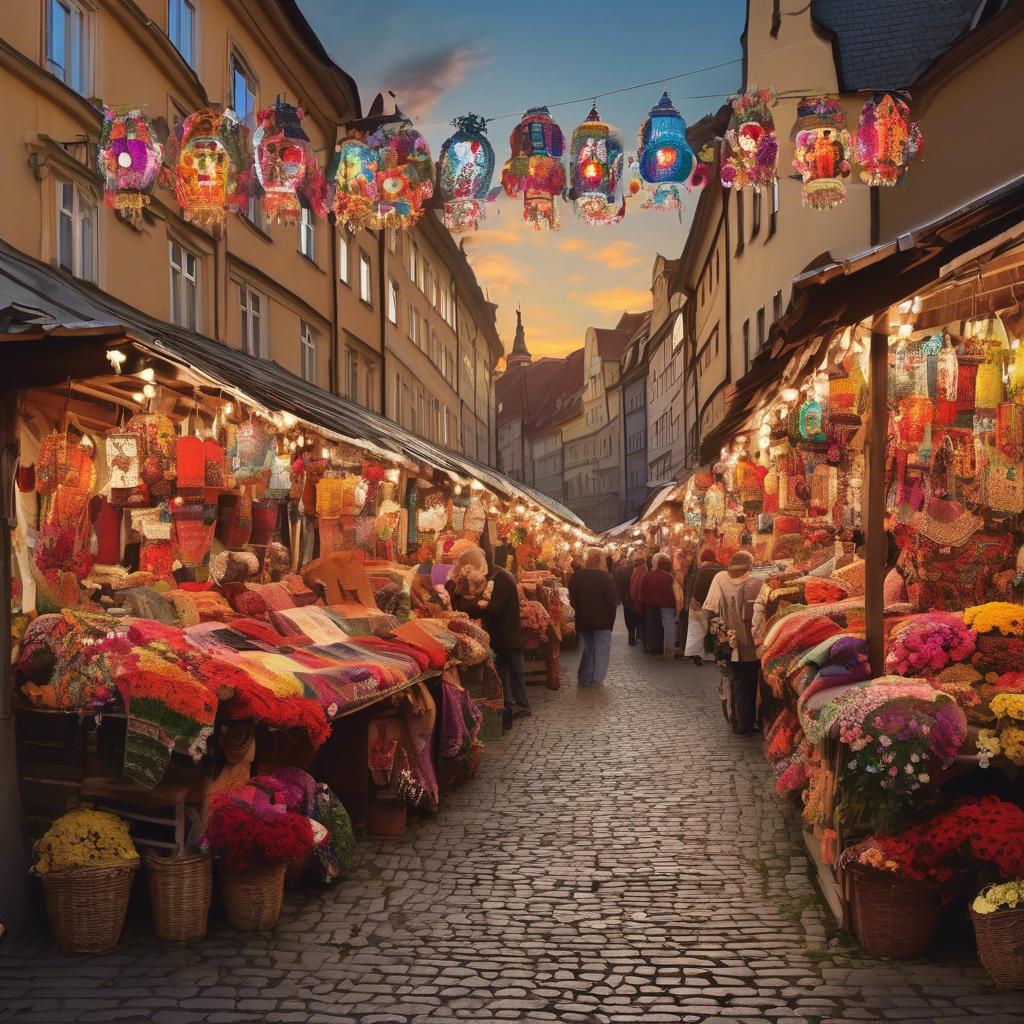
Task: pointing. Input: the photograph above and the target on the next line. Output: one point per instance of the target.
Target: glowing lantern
(750, 147)
(212, 168)
(464, 174)
(664, 157)
(596, 159)
(286, 166)
(382, 174)
(535, 167)
(130, 159)
(821, 150)
(887, 140)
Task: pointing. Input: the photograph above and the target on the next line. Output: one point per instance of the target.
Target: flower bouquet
(86, 861)
(926, 644)
(723, 641)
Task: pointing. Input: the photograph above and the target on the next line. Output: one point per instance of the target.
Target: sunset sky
(449, 59)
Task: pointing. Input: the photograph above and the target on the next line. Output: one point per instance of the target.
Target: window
(773, 217)
(243, 102)
(392, 241)
(181, 27)
(352, 374)
(760, 329)
(251, 306)
(371, 386)
(433, 291)
(307, 237)
(67, 43)
(76, 231)
(740, 229)
(413, 259)
(746, 345)
(184, 287)
(755, 226)
(392, 300)
(412, 323)
(307, 352)
(365, 289)
(777, 307)
(343, 258)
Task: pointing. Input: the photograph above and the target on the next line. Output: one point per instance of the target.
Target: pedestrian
(623, 576)
(731, 598)
(490, 594)
(593, 595)
(638, 613)
(657, 592)
(697, 624)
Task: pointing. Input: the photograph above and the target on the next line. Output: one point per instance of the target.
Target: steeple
(520, 355)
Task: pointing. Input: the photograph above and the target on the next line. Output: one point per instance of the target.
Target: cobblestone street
(620, 858)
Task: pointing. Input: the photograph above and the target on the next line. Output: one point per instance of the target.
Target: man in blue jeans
(593, 595)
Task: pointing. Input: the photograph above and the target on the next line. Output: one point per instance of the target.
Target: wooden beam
(876, 542)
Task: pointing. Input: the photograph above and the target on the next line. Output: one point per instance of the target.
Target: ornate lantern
(353, 175)
(750, 147)
(664, 157)
(887, 140)
(535, 167)
(595, 159)
(213, 172)
(821, 150)
(130, 159)
(286, 166)
(464, 174)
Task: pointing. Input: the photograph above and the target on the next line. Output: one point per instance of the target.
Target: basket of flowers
(255, 842)
(86, 861)
(998, 916)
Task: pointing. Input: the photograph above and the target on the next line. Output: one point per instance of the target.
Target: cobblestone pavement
(621, 858)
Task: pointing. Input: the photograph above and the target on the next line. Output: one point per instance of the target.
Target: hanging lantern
(382, 174)
(213, 165)
(887, 140)
(464, 174)
(664, 157)
(750, 147)
(286, 166)
(535, 167)
(130, 159)
(821, 150)
(595, 160)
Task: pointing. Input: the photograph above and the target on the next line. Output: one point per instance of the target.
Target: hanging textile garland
(595, 160)
(535, 167)
(887, 140)
(750, 148)
(464, 174)
(213, 166)
(664, 157)
(286, 166)
(130, 159)
(821, 150)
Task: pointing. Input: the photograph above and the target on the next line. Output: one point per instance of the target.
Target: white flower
(924, 777)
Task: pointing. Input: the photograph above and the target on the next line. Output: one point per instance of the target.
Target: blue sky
(450, 58)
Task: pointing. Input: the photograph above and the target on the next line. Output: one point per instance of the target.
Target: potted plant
(86, 861)
(255, 847)
(998, 916)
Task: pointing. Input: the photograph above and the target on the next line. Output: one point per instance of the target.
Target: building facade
(633, 385)
(562, 408)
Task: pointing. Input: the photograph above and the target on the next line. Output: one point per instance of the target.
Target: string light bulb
(789, 394)
(148, 374)
(149, 391)
(139, 397)
(116, 358)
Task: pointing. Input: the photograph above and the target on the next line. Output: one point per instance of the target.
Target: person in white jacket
(731, 598)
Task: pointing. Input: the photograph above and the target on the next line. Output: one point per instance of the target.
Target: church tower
(519, 356)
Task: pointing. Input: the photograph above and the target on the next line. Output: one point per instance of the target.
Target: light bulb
(229, 409)
(139, 397)
(148, 374)
(325, 453)
(86, 441)
(765, 442)
(148, 390)
(666, 156)
(789, 394)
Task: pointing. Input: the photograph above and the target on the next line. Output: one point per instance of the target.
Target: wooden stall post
(874, 513)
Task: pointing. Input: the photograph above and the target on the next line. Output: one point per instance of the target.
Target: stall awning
(38, 302)
(657, 500)
(845, 292)
(618, 531)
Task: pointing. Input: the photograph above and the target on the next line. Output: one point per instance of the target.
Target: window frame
(393, 300)
(755, 214)
(761, 332)
(740, 222)
(364, 261)
(182, 275)
(65, 74)
(80, 200)
(307, 351)
(773, 216)
(191, 5)
(344, 259)
(246, 292)
(307, 234)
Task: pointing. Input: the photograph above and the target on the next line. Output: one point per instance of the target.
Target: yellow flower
(988, 742)
(1012, 739)
(1003, 896)
(1000, 616)
(1009, 705)
(83, 837)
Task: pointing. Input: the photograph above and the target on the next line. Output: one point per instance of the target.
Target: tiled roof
(521, 391)
(888, 44)
(564, 398)
(611, 343)
(632, 322)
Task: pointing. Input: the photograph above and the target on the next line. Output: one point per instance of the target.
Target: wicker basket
(1000, 939)
(892, 917)
(179, 894)
(253, 898)
(86, 906)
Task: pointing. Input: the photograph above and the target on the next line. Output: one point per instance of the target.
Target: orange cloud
(498, 274)
(615, 300)
(572, 245)
(615, 256)
(574, 278)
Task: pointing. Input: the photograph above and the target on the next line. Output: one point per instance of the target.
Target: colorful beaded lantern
(535, 167)
(887, 140)
(664, 157)
(130, 159)
(464, 174)
(750, 147)
(213, 166)
(595, 161)
(353, 176)
(286, 166)
(821, 150)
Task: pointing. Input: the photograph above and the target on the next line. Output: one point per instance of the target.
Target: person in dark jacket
(490, 595)
(699, 584)
(593, 595)
(623, 576)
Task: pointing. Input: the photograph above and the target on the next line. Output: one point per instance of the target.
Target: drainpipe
(382, 301)
(332, 367)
